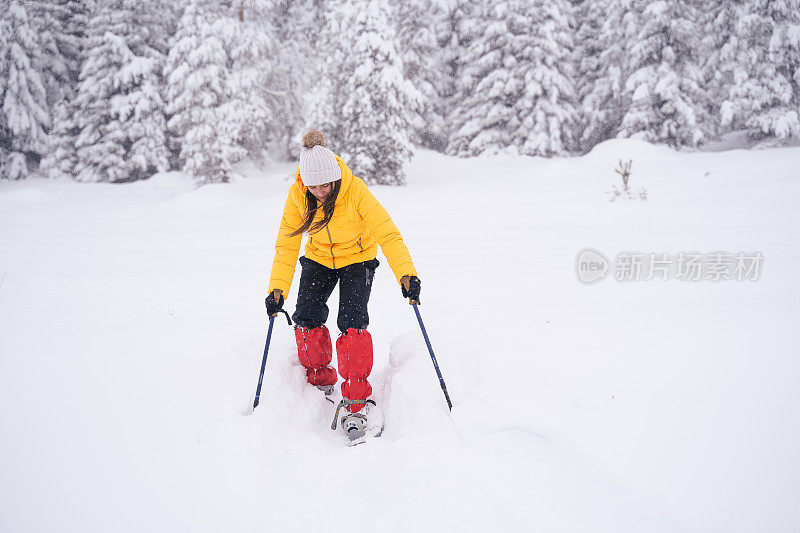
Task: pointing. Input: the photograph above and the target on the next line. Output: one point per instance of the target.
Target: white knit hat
(317, 164)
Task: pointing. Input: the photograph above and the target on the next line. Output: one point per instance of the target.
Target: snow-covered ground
(132, 328)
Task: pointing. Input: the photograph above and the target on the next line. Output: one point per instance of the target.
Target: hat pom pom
(313, 138)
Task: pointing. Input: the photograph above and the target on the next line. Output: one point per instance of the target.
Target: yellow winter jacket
(359, 224)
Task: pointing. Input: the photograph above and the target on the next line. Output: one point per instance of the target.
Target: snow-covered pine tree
(518, 82)
(784, 51)
(480, 120)
(198, 86)
(366, 103)
(118, 106)
(589, 20)
(260, 80)
(296, 24)
(51, 64)
(421, 31)
(759, 63)
(602, 68)
(665, 86)
(61, 157)
(714, 21)
(161, 19)
(464, 23)
(71, 18)
(229, 90)
(547, 108)
(24, 115)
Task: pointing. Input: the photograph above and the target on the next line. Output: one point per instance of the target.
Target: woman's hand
(411, 285)
(274, 302)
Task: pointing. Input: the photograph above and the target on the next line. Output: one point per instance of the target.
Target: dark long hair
(311, 211)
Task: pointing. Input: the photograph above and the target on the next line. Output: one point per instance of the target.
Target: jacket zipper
(333, 259)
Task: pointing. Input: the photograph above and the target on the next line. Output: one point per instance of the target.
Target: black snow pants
(316, 285)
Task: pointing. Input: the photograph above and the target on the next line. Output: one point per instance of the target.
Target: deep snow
(132, 328)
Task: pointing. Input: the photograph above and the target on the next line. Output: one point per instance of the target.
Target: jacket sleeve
(287, 248)
(385, 232)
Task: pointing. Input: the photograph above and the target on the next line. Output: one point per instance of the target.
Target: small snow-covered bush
(624, 170)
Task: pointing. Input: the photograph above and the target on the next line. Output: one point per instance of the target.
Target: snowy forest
(118, 90)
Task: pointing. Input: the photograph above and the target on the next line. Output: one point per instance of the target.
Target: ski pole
(266, 349)
(264, 362)
(433, 358)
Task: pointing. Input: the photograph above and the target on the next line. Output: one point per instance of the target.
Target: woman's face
(321, 192)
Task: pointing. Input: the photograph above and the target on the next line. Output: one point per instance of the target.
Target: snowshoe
(357, 426)
(354, 425)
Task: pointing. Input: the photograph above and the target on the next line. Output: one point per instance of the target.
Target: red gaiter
(354, 351)
(315, 351)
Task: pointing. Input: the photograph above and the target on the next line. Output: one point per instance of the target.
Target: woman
(345, 224)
